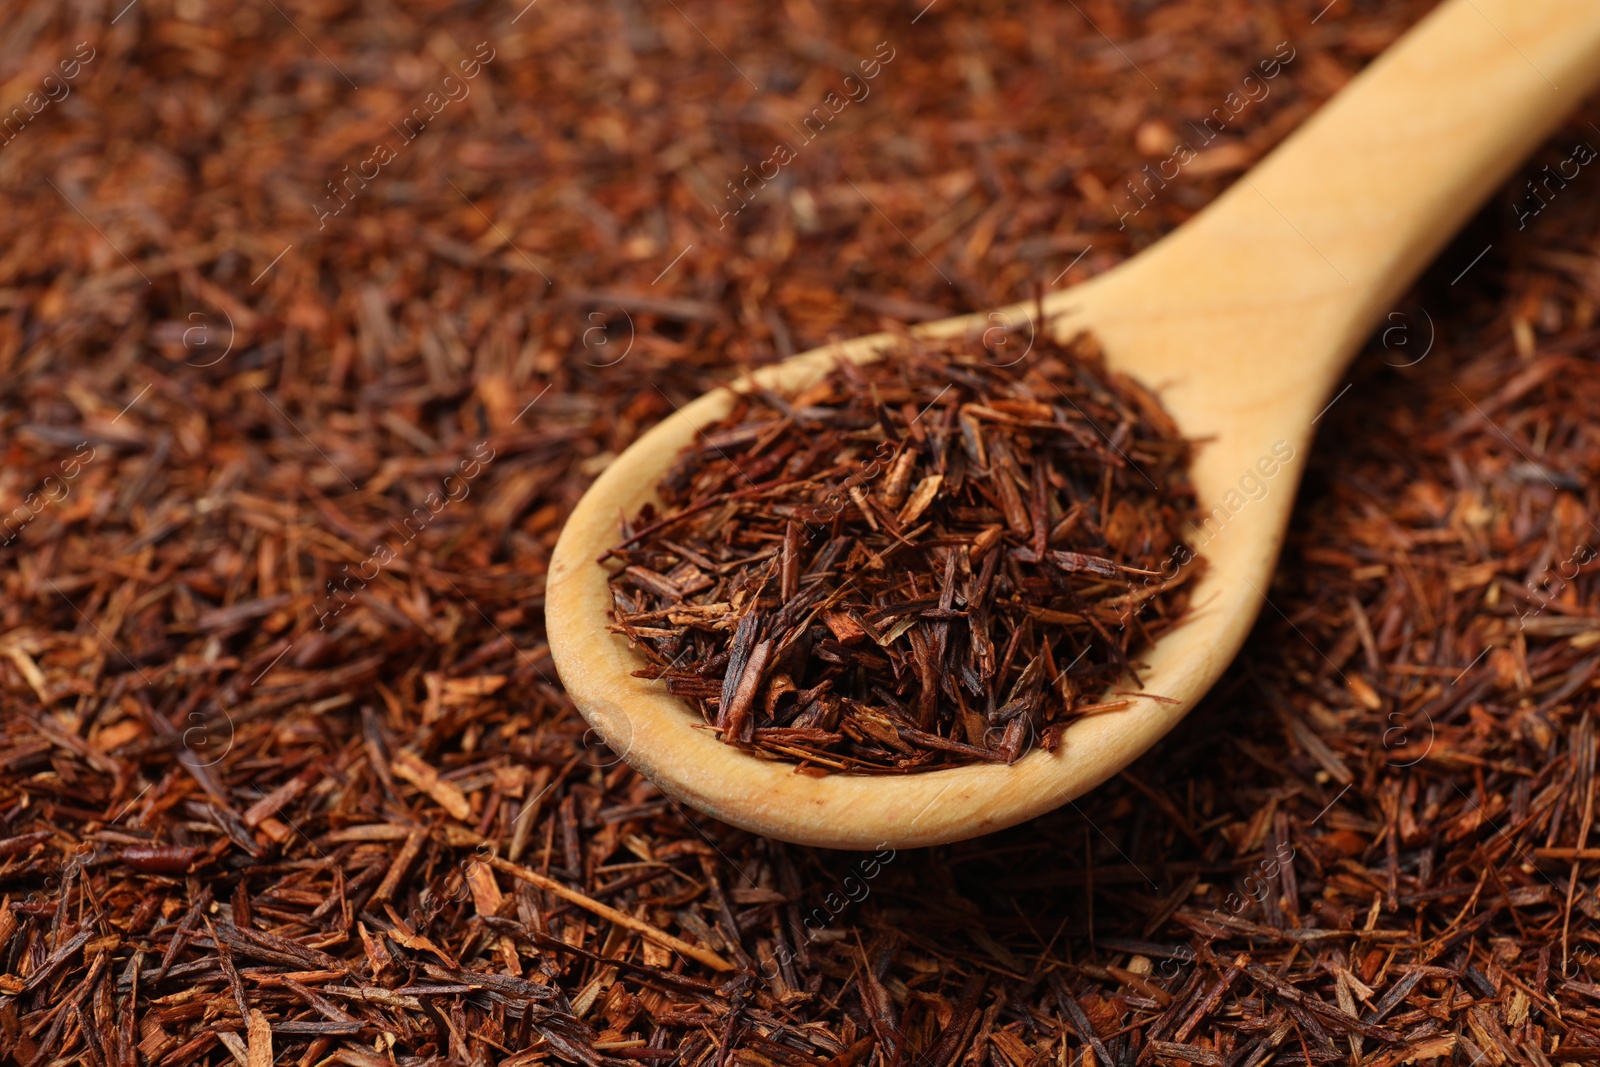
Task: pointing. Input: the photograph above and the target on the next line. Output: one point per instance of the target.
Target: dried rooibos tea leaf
(918, 562)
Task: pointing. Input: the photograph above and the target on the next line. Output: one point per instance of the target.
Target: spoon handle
(1277, 283)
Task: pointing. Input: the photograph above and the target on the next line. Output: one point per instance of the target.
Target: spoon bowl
(1242, 321)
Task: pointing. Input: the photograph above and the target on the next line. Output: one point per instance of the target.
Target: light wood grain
(1243, 320)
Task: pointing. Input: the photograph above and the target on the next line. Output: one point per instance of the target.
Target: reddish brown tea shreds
(923, 561)
(1372, 844)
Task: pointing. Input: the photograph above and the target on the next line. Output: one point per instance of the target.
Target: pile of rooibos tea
(916, 563)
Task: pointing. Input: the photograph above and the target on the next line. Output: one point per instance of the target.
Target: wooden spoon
(1243, 320)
